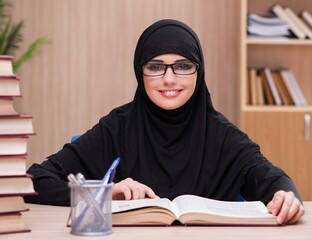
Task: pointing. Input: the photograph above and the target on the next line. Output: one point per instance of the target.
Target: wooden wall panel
(88, 68)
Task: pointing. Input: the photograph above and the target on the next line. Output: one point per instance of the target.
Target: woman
(170, 139)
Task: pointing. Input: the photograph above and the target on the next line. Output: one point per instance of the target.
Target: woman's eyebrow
(176, 61)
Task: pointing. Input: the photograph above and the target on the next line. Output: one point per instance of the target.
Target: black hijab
(189, 150)
(180, 151)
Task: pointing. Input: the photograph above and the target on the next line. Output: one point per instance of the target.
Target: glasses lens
(185, 68)
(153, 69)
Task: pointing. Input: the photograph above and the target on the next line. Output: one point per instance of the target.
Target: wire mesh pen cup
(91, 213)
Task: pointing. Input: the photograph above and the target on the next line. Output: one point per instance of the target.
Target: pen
(107, 177)
(111, 169)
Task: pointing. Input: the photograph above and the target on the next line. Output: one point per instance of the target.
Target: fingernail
(280, 220)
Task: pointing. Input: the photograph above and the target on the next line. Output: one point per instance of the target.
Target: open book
(190, 210)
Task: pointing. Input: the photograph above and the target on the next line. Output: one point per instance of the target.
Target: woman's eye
(155, 67)
(183, 66)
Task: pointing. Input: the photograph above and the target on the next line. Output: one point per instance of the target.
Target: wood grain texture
(88, 68)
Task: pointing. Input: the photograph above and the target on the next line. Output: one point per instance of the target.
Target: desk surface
(49, 222)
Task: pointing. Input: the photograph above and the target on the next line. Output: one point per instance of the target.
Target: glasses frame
(171, 66)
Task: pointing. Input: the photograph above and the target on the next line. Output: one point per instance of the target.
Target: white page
(188, 203)
(125, 205)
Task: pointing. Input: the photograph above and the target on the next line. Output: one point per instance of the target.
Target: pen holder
(91, 213)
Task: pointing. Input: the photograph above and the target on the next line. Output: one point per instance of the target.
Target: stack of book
(15, 129)
(274, 87)
(284, 23)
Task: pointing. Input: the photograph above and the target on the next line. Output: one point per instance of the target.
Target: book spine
(280, 12)
(307, 17)
(275, 94)
(289, 87)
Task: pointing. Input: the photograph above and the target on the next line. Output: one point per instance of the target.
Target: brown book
(10, 86)
(6, 67)
(248, 93)
(282, 90)
(252, 86)
(12, 223)
(267, 90)
(12, 204)
(260, 96)
(16, 185)
(7, 107)
(190, 210)
(12, 165)
(16, 125)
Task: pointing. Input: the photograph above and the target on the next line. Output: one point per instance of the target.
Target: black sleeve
(50, 182)
(264, 179)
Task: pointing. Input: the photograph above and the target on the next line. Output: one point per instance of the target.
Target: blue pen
(112, 168)
(107, 177)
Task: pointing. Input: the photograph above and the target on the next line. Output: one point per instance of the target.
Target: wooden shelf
(261, 41)
(283, 132)
(250, 108)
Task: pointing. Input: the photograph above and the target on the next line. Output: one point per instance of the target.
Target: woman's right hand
(130, 189)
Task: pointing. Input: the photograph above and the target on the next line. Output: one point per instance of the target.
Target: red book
(16, 125)
(12, 165)
(12, 223)
(7, 107)
(6, 67)
(10, 86)
(16, 185)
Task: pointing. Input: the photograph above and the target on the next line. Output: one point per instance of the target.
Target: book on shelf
(7, 106)
(296, 87)
(10, 86)
(307, 17)
(16, 125)
(16, 185)
(268, 96)
(6, 67)
(282, 90)
(252, 85)
(273, 88)
(12, 165)
(12, 204)
(293, 87)
(299, 22)
(12, 223)
(13, 145)
(280, 12)
(267, 26)
(190, 210)
(259, 88)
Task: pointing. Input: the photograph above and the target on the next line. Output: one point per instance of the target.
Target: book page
(126, 205)
(195, 204)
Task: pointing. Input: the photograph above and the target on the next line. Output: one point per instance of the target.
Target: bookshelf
(283, 132)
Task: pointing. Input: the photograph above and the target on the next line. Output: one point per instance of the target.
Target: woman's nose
(169, 77)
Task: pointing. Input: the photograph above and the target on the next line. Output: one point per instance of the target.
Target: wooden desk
(49, 222)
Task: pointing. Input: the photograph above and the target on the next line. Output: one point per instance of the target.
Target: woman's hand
(129, 189)
(286, 207)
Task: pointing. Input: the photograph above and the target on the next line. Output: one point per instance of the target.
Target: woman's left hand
(286, 207)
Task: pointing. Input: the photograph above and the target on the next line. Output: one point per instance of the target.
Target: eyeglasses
(152, 69)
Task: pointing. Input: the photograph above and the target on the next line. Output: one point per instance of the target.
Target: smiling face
(170, 91)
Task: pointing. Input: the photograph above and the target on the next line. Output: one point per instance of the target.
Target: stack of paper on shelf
(267, 26)
(284, 23)
(15, 130)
